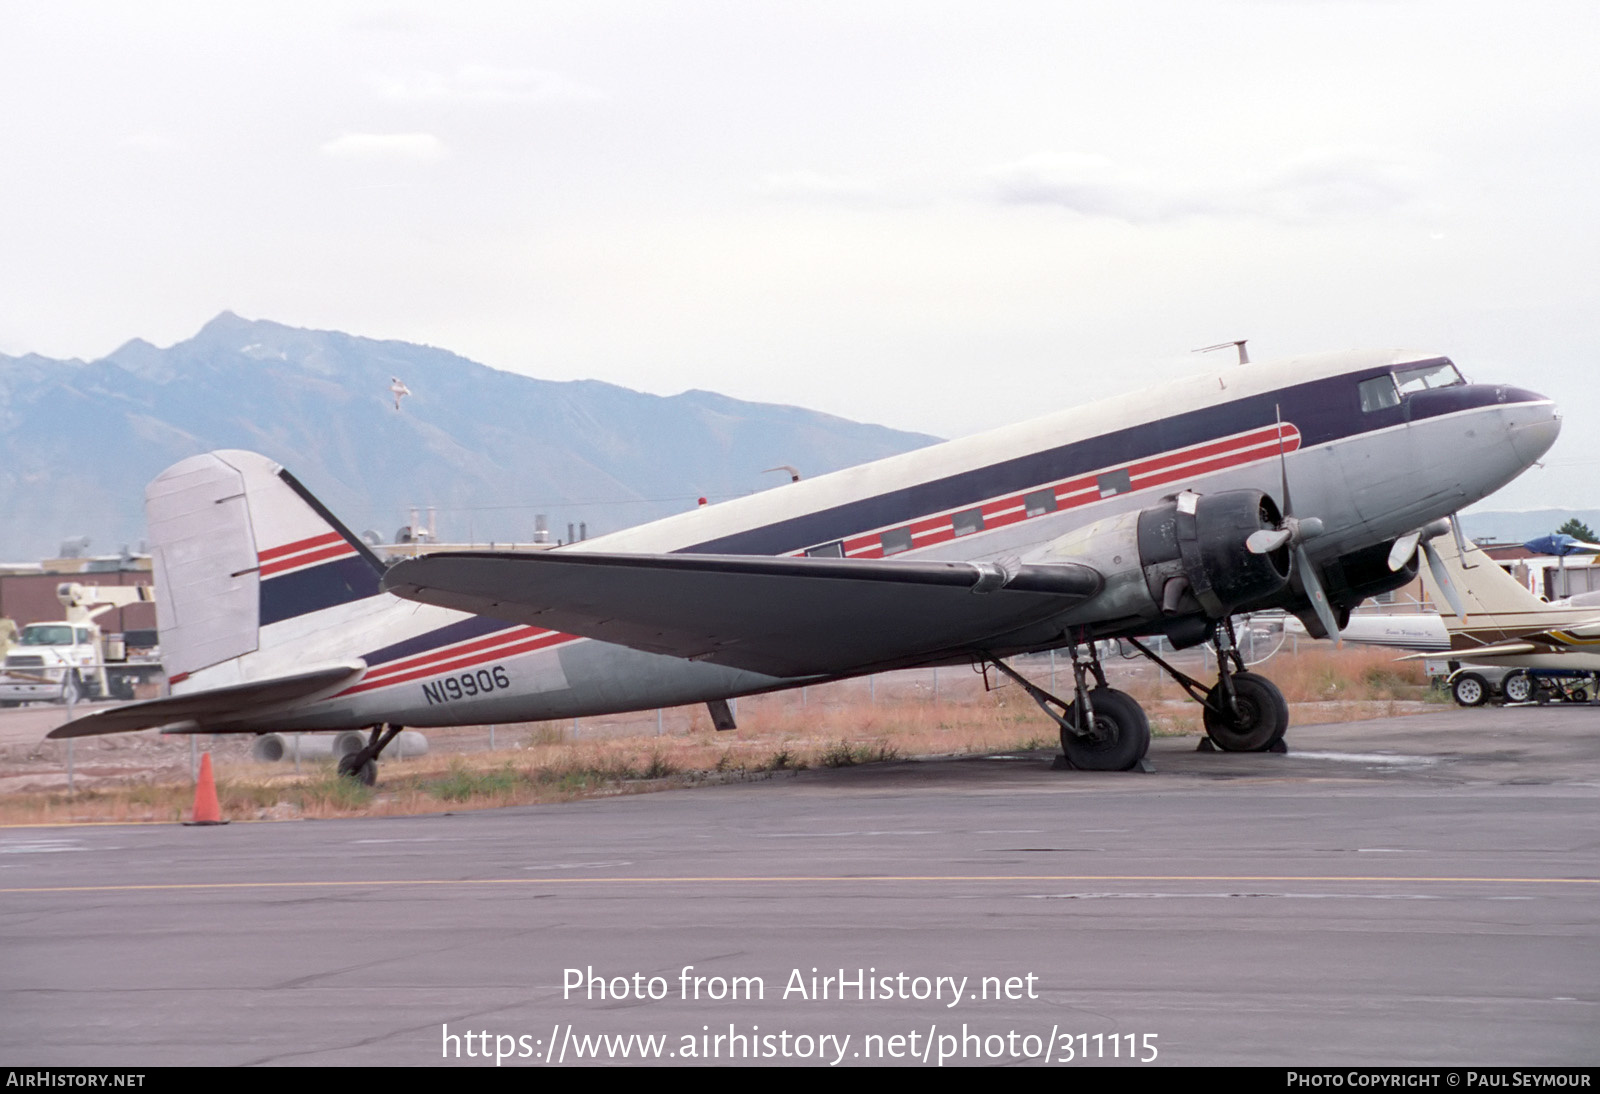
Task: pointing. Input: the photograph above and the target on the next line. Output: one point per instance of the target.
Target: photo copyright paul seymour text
(934, 1043)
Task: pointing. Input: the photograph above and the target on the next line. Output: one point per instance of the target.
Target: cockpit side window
(1426, 377)
(1378, 393)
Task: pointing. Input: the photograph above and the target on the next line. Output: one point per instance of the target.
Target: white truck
(62, 661)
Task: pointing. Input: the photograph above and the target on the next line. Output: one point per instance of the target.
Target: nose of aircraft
(1533, 436)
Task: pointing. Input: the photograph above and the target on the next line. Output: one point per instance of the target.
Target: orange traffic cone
(206, 808)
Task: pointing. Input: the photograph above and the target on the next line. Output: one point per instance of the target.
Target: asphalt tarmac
(1405, 891)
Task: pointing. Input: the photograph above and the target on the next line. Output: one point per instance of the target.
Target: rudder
(240, 546)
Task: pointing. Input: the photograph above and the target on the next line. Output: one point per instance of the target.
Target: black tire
(1264, 716)
(1577, 695)
(71, 689)
(1470, 690)
(351, 767)
(1119, 738)
(1518, 687)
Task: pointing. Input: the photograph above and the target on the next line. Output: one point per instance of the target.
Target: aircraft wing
(780, 616)
(1472, 653)
(216, 704)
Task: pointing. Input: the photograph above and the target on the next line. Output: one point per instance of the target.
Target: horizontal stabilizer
(781, 616)
(216, 706)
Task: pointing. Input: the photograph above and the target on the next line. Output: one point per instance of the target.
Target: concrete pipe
(277, 747)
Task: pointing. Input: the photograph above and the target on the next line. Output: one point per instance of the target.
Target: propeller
(1406, 547)
(1293, 532)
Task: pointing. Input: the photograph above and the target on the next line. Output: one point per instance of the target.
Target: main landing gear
(1102, 729)
(362, 764)
(1244, 711)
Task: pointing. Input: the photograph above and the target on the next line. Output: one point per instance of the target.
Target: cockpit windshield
(1427, 377)
(1387, 390)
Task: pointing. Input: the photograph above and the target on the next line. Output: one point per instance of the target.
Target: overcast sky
(938, 216)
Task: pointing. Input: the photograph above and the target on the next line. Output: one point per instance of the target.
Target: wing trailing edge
(781, 616)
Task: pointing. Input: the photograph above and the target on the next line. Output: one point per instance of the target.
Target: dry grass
(836, 725)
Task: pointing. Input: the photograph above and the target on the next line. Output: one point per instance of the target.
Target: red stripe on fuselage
(1158, 470)
(457, 661)
(490, 641)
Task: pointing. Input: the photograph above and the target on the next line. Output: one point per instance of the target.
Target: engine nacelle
(1183, 560)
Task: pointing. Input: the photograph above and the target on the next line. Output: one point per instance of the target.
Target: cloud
(1317, 185)
(417, 147)
(1337, 183)
(486, 84)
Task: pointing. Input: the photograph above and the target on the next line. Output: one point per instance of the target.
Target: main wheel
(1262, 721)
(1118, 738)
(1470, 689)
(352, 766)
(1518, 687)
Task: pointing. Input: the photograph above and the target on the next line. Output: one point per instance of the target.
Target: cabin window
(1039, 502)
(827, 550)
(1379, 393)
(1114, 482)
(967, 522)
(896, 541)
(1427, 377)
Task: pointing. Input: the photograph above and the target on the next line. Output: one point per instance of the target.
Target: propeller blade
(1441, 577)
(1314, 591)
(1403, 549)
(1283, 463)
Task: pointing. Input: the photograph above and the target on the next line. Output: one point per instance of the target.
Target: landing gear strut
(362, 764)
(1102, 729)
(1244, 711)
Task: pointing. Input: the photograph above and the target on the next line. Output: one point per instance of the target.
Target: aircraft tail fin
(1496, 605)
(1485, 588)
(241, 551)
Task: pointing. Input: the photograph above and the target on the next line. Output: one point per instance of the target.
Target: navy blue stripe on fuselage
(315, 588)
(476, 626)
(1323, 410)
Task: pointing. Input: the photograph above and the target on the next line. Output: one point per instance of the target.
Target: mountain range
(490, 449)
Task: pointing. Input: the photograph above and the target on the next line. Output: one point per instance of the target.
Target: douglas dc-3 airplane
(1163, 512)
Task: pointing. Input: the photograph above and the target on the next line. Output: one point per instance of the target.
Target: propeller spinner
(1293, 532)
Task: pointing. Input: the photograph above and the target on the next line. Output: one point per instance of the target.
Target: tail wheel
(352, 765)
(1262, 719)
(1118, 738)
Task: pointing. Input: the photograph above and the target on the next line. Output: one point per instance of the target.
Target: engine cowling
(1181, 563)
(1194, 546)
